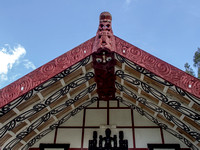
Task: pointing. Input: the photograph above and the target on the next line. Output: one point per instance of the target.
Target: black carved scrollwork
(55, 111)
(55, 125)
(154, 120)
(55, 96)
(48, 83)
(188, 95)
(142, 70)
(161, 111)
(156, 78)
(5, 109)
(158, 95)
(63, 74)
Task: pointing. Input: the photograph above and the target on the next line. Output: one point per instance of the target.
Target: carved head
(105, 22)
(104, 38)
(108, 132)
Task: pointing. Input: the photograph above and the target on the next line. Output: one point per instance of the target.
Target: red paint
(103, 64)
(83, 129)
(104, 37)
(103, 58)
(162, 137)
(56, 133)
(133, 129)
(108, 113)
(44, 73)
(158, 67)
(104, 40)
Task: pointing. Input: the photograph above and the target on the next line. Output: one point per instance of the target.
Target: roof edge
(159, 67)
(153, 64)
(45, 72)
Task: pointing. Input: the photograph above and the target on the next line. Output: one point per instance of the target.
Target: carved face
(105, 26)
(104, 38)
(103, 63)
(104, 35)
(103, 60)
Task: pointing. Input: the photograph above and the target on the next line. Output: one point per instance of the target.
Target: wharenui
(105, 94)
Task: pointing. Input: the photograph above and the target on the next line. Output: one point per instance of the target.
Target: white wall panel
(76, 120)
(113, 103)
(95, 117)
(144, 133)
(145, 136)
(120, 117)
(170, 139)
(140, 120)
(69, 136)
(122, 105)
(49, 138)
(102, 103)
(93, 104)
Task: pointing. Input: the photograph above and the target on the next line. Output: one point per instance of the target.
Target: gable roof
(163, 93)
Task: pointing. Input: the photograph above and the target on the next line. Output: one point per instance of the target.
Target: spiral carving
(162, 68)
(134, 53)
(62, 61)
(158, 67)
(44, 73)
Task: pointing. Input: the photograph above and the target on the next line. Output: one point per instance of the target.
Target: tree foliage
(188, 69)
(196, 61)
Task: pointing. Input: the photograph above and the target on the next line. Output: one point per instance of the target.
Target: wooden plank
(19, 127)
(8, 116)
(51, 89)
(26, 104)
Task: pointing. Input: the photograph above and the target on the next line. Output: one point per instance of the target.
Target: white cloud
(28, 64)
(3, 77)
(10, 56)
(11, 60)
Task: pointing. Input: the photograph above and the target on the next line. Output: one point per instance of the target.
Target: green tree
(188, 69)
(196, 60)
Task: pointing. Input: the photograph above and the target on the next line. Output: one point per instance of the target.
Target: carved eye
(108, 58)
(98, 60)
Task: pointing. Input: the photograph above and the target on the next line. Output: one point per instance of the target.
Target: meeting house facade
(105, 94)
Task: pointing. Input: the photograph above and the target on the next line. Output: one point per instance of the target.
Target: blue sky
(33, 32)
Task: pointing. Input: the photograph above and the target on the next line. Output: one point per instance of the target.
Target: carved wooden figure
(108, 142)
